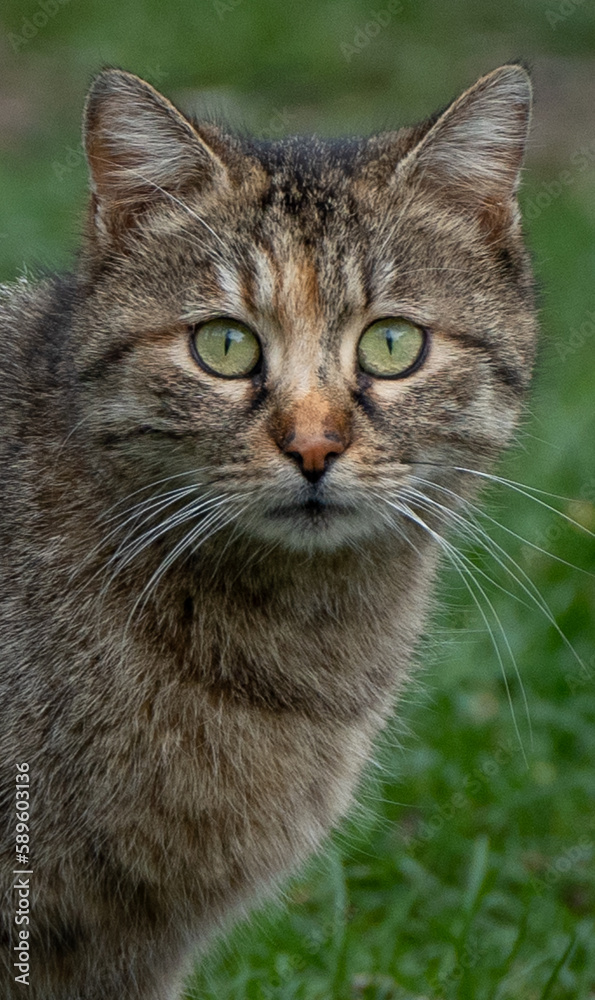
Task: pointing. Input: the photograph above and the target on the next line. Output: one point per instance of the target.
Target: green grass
(466, 871)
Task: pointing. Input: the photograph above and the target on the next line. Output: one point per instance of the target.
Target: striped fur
(199, 644)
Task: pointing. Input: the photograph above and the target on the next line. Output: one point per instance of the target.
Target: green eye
(392, 348)
(226, 347)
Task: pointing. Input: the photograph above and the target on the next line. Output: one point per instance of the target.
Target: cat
(229, 439)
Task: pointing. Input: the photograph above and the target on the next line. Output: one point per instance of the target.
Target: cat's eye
(392, 348)
(226, 347)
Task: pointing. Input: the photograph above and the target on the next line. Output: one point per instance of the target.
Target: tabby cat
(229, 438)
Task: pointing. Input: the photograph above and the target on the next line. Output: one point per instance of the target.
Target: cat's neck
(329, 635)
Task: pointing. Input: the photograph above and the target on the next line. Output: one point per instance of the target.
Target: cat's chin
(313, 526)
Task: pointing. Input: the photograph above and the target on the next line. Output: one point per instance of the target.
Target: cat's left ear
(474, 150)
(140, 149)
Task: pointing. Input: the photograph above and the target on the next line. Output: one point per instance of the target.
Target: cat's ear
(474, 150)
(139, 149)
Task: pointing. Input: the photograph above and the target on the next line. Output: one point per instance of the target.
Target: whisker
(491, 546)
(521, 488)
(153, 504)
(157, 482)
(188, 540)
(466, 528)
(458, 560)
(151, 585)
(520, 538)
(148, 536)
(123, 557)
(476, 533)
(149, 507)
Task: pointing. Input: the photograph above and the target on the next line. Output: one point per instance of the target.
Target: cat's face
(304, 331)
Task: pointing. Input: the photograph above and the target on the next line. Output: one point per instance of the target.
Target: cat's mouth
(313, 509)
(311, 522)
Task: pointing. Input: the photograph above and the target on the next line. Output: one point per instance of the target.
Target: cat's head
(303, 331)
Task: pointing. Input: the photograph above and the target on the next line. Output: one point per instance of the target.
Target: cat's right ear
(140, 149)
(472, 153)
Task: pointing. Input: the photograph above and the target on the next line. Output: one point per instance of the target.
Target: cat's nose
(314, 452)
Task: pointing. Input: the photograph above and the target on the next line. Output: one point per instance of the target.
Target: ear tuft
(139, 147)
(474, 150)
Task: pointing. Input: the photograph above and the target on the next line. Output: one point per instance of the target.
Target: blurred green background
(467, 869)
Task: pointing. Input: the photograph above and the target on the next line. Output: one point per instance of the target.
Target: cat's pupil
(390, 339)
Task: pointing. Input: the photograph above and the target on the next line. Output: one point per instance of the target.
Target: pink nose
(314, 451)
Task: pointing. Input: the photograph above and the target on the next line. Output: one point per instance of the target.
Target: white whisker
(156, 482)
(149, 507)
(467, 575)
(520, 538)
(126, 551)
(217, 518)
(521, 488)
(125, 556)
(502, 558)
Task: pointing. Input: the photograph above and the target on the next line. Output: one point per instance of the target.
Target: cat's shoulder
(35, 318)
(36, 379)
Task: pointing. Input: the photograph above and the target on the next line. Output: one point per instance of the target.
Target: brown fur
(191, 738)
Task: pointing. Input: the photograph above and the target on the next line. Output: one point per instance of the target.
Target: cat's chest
(238, 725)
(322, 650)
(233, 795)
